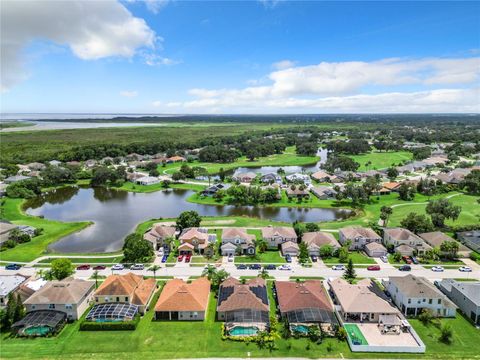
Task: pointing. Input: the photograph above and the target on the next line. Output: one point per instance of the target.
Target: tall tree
(441, 210)
(350, 274)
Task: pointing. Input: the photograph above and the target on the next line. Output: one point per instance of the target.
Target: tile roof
(351, 232)
(233, 232)
(233, 295)
(295, 296)
(177, 295)
(67, 291)
(436, 238)
(193, 233)
(134, 286)
(283, 231)
(319, 239)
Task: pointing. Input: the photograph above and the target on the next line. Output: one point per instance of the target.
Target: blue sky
(240, 57)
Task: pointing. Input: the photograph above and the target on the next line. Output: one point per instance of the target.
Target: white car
(465, 269)
(438, 268)
(384, 259)
(137, 267)
(118, 267)
(230, 258)
(338, 267)
(285, 267)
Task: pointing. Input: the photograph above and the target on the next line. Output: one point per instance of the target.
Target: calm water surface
(116, 213)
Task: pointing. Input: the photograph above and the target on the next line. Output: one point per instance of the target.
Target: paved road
(184, 271)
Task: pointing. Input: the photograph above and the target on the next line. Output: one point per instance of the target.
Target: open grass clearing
(381, 160)
(357, 258)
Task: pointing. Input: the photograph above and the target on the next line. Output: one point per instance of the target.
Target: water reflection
(116, 213)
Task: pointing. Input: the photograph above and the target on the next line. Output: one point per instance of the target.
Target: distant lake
(117, 213)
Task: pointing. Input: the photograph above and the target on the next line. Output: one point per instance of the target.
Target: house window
(439, 301)
(126, 298)
(68, 306)
(429, 301)
(118, 298)
(33, 307)
(409, 301)
(51, 306)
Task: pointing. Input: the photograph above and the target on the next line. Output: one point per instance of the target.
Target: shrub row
(109, 326)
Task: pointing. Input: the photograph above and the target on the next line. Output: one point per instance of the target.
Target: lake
(117, 213)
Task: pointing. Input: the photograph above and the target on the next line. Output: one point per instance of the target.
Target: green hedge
(110, 326)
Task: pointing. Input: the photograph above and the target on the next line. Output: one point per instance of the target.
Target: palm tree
(263, 274)
(261, 244)
(210, 272)
(154, 269)
(95, 277)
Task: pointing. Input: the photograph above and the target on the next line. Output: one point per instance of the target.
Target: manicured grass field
(52, 231)
(106, 260)
(288, 158)
(268, 257)
(381, 160)
(129, 186)
(356, 257)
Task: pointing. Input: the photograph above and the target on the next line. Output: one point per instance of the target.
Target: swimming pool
(37, 330)
(243, 331)
(300, 328)
(355, 334)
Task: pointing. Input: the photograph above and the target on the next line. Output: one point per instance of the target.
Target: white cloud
(284, 64)
(155, 6)
(157, 103)
(127, 93)
(269, 4)
(155, 60)
(91, 29)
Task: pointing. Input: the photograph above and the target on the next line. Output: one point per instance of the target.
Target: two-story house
(158, 234)
(237, 238)
(405, 242)
(196, 240)
(358, 237)
(276, 236)
(412, 294)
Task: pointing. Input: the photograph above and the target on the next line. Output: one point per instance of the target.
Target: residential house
(70, 296)
(304, 302)
(346, 176)
(412, 294)
(213, 189)
(90, 163)
(466, 295)
(437, 238)
(240, 239)
(183, 301)
(315, 241)
(175, 159)
(405, 242)
(323, 192)
(290, 248)
(271, 178)
(405, 169)
(5, 228)
(392, 186)
(134, 176)
(134, 157)
(198, 240)
(297, 193)
(243, 303)
(148, 180)
(323, 176)
(275, 236)
(27, 230)
(157, 235)
(363, 302)
(299, 178)
(16, 178)
(246, 177)
(36, 166)
(470, 239)
(358, 237)
(127, 289)
(55, 163)
(375, 249)
(9, 284)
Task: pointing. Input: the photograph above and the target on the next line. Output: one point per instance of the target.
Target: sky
(278, 57)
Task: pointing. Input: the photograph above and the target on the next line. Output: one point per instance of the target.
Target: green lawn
(381, 160)
(465, 344)
(106, 260)
(268, 257)
(129, 186)
(288, 158)
(356, 257)
(52, 231)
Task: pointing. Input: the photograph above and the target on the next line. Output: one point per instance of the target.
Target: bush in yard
(446, 334)
(136, 249)
(61, 268)
(341, 333)
(426, 317)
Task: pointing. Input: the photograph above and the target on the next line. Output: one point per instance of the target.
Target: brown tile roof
(233, 232)
(178, 295)
(295, 296)
(319, 239)
(135, 286)
(234, 295)
(401, 234)
(437, 238)
(163, 231)
(290, 245)
(351, 232)
(193, 233)
(391, 185)
(283, 231)
(67, 291)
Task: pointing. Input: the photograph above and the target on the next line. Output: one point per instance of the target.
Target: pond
(322, 153)
(116, 213)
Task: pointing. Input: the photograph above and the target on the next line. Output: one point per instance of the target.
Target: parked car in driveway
(285, 267)
(288, 258)
(12, 267)
(137, 267)
(188, 258)
(338, 267)
(270, 267)
(118, 267)
(83, 267)
(407, 259)
(230, 258)
(164, 258)
(180, 258)
(99, 267)
(384, 259)
(373, 268)
(465, 269)
(405, 268)
(241, 267)
(314, 258)
(438, 268)
(415, 260)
